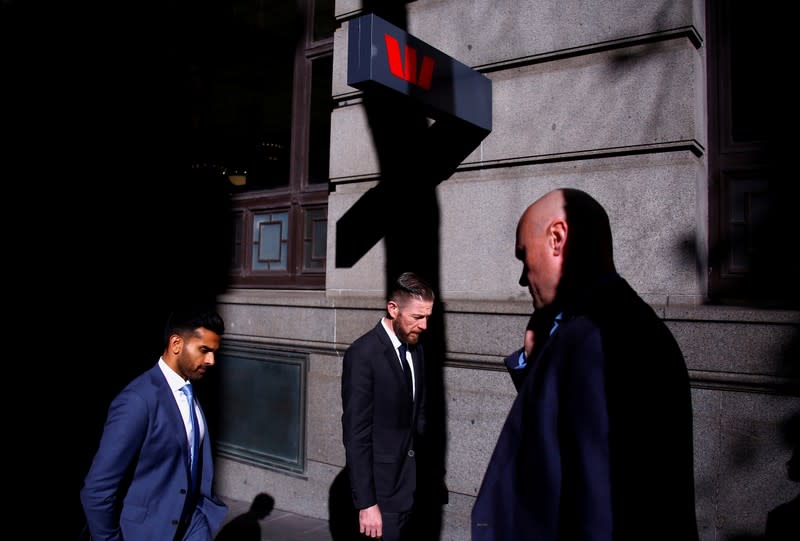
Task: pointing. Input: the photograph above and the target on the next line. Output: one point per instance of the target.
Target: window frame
(732, 162)
(299, 196)
(246, 207)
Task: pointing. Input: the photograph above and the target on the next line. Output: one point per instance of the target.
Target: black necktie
(407, 367)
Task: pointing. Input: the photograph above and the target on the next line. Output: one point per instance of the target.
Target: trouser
(396, 526)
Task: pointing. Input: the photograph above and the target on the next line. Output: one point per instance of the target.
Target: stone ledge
(373, 301)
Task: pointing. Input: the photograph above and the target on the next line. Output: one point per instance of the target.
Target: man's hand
(539, 326)
(528, 343)
(370, 522)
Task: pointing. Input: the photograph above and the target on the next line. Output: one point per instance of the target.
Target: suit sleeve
(357, 415)
(512, 365)
(583, 429)
(540, 323)
(123, 435)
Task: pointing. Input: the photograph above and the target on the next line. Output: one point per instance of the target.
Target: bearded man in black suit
(383, 411)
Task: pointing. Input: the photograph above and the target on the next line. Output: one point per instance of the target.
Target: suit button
(411, 453)
(174, 522)
(183, 491)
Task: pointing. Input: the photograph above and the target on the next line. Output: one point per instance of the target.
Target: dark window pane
(320, 129)
(324, 21)
(315, 239)
(241, 90)
(751, 71)
(262, 396)
(747, 206)
(270, 235)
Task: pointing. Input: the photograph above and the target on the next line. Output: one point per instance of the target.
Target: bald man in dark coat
(598, 443)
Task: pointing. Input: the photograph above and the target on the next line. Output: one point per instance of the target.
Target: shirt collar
(174, 381)
(393, 337)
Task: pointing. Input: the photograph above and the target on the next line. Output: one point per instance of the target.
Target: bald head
(541, 212)
(562, 238)
(541, 236)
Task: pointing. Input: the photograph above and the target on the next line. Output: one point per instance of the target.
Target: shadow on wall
(783, 521)
(342, 515)
(414, 158)
(170, 243)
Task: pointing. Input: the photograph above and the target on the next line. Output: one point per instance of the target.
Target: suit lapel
(204, 447)
(416, 359)
(173, 413)
(390, 354)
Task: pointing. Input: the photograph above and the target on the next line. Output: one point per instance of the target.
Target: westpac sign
(381, 54)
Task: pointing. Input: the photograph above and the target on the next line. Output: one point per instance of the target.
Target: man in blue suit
(141, 485)
(598, 443)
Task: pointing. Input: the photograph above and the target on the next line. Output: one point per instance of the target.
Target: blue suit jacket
(598, 443)
(138, 483)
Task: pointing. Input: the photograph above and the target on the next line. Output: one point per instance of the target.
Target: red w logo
(410, 72)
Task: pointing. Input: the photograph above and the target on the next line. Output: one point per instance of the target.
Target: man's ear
(175, 343)
(558, 236)
(392, 308)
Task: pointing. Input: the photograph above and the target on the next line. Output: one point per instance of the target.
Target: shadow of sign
(406, 82)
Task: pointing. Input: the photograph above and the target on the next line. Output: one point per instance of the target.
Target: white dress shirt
(175, 383)
(396, 343)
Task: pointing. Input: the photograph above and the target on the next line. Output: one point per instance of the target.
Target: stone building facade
(608, 97)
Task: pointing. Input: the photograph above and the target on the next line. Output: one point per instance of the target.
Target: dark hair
(409, 284)
(187, 319)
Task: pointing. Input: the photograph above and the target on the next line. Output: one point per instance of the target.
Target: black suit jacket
(380, 423)
(598, 443)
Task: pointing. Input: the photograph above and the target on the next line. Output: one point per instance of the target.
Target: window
(262, 395)
(751, 193)
(261, 107)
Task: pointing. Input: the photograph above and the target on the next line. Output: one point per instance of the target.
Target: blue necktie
(195, 437)
(406, 366)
